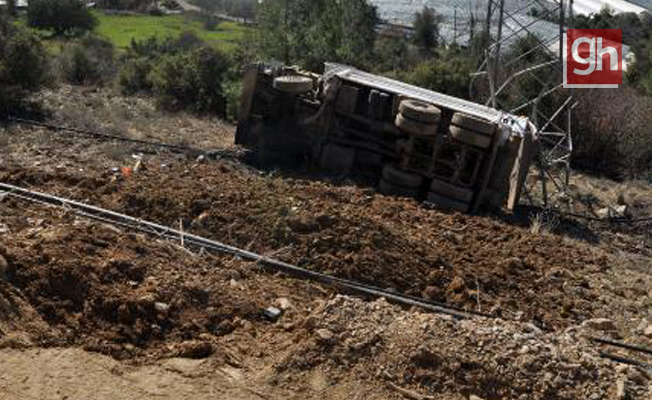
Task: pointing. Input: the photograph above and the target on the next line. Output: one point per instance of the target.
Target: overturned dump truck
(409, 141)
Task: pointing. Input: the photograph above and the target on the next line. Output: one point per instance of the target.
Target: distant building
(20, 4)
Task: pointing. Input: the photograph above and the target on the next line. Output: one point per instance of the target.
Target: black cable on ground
(279, 266)
(609, 342)
(194, 151)
(625, 360)
(105, 136)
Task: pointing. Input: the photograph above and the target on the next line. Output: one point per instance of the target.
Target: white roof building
(19, 3)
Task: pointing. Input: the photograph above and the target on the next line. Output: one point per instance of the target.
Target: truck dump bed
(409, 141)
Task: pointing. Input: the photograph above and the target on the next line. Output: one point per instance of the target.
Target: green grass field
(121, 29)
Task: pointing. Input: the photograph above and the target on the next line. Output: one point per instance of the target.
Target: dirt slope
(188, 324)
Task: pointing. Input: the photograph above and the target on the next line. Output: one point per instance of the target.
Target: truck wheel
(445, 202)
(470, 137)
(293, 84)
(451, 191)
(420, 111)
(391, 189)
(405, 179)
(473, 124)
(416, 128)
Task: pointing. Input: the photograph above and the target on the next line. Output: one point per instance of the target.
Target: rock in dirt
(283, 303)
(124, 314)
(637, 376)
(324, 334)
(621, 390)
(648, 332)
(4, 267)
(162, 308)
(194, 349)
(600, 324)
(272, 313)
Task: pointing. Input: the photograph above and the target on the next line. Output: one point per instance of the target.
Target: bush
(134, 76)
(23, 66)
(611, 133)
(449, 74)
(88, 61)
(233, 93)
(191, 80)
(60, 16)
(143, 56)
(210, 23)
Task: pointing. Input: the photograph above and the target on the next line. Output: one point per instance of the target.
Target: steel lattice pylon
(522, 74)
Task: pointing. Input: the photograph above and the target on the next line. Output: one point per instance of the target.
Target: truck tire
(391, 189)
(445, 202)
(470, 137)
(451, 191)
(405, 179)
(471, 123)
(416, 128)
(293, 84)
(420, 111)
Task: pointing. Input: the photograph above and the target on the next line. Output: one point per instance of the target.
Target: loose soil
(88, 293)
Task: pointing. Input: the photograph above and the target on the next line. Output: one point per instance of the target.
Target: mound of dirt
(123, 295)
(477, 263)
(447, 359)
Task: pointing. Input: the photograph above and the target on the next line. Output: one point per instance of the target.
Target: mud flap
(527, 152)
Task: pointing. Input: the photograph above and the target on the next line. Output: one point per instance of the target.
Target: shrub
(23, 66)
(154, 11)
(60, 16)
(191, 80)
(134, 76)
(448, 74)
(233, 93)
(154, 48)
(611, 133)
(88, 61)
(210, 23)
(143, 56)
(393, 51)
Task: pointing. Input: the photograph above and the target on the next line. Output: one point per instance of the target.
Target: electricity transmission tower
(522, 74)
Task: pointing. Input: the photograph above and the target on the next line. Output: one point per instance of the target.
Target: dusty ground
(147, 318)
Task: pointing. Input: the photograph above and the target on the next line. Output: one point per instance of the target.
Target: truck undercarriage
(411, 141)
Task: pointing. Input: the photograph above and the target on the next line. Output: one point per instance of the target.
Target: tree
(23, 66)
(61, 16)
(426, 29)
(309, 32)
(11, 8)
